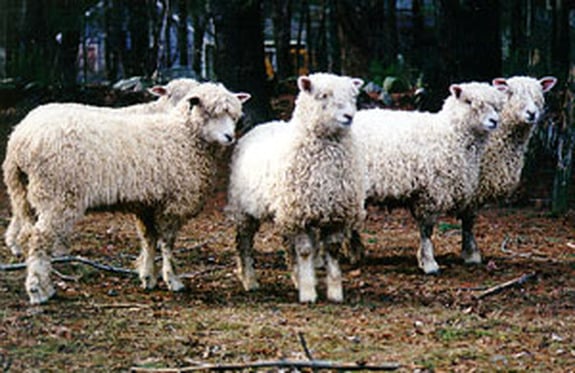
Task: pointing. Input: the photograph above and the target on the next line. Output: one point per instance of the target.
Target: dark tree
(281, 18)
(183, 32)
(199, 22)
(239, 59)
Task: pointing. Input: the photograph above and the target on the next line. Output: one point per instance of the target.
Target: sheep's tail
(16, 181)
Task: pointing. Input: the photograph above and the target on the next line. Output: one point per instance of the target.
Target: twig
(66, 277)
(70, 259)
(304, 345)
(119, 305)
(503, 247)
(505, 285)
(314, 364)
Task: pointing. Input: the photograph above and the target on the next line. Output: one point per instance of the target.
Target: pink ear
(455, 90)
(500, 84)
(547, 83)
(158, 90)
(304, 83)
(357, 82)
(243, 97)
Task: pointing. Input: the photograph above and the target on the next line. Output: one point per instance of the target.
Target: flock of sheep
(311, 176)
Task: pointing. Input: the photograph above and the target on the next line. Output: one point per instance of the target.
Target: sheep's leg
(354, 248)
(469, 250)
(245, 232)
(291, 259)
(145, 263)
(425, 255)
(166, 244)
(11, 236)
(332, 243)
(41, 239)
(303, 244)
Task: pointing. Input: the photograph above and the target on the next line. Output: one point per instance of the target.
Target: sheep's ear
(357, 82)
(500, 84)
(158, 90)
(193, 101)
(547, 83)
(304, 84)
(243, 97)
(455, 90)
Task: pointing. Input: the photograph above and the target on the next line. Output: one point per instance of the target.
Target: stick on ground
(505, 285)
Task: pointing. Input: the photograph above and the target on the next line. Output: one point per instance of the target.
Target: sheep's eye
(467, 101)
(323, 96)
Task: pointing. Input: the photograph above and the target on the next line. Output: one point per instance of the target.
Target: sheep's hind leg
(245, 232)
(470, 252)
(168, 238)
(11, 236)
(425, 255)
(145, 262)
(332, 244)
(303, 244)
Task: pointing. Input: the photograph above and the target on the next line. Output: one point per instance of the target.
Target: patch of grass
(443, 227)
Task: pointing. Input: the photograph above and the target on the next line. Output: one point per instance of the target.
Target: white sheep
(169, 95)
(428, 162)
(503, 159)
(305, 175)
(63, 163)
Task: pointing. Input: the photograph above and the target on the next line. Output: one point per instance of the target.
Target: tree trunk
(199, 21)
(183, 32)
(281, 17)
(239, 60)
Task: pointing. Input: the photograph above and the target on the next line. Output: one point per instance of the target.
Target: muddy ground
(102, 321)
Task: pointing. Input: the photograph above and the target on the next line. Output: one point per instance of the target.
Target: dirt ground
(103, 321)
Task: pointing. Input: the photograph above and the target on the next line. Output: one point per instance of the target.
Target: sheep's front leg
(145, 263)
(303, 245)
(332, 244)
(245, 233)
(168, 273)
(425, 255)
(469, 250)
(354, 248)
(38, 266)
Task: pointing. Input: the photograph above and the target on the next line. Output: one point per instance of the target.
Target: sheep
(169, 95)
(305, 176)
(504, 155)
(63, 163)
(428, 162)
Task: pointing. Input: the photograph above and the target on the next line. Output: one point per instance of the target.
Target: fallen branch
(313, 364)
(304, 346)
(119, 305)
(505, 285)
(71, 259)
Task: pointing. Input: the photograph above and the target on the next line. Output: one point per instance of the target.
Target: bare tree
(281, 18)
(239, 61)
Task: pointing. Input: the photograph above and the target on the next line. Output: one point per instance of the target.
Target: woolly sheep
(503, 159)
(169, 95)
(61, 164)
(305, 175)
(428, 162)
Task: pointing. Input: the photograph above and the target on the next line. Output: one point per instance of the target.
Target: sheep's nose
(348, 119)
(493, 123)
(229, 138)
(530, 115)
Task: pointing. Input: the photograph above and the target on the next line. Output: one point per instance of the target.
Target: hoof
(335, 295)
(307, 297)
(149, 282)
(250, 285)
(471, 259)
(40, 294)
(431, 269)
(175, 284)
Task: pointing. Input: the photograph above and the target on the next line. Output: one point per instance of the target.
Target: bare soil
(103, 321)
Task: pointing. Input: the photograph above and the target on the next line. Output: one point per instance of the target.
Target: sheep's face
(478, 104)
(328, 98)
(525, 102)
(216, 111)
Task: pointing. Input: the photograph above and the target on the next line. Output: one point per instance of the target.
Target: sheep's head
(326, 101)
(214, 111)
(475, 105)
(173, 92)
(525, 101)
